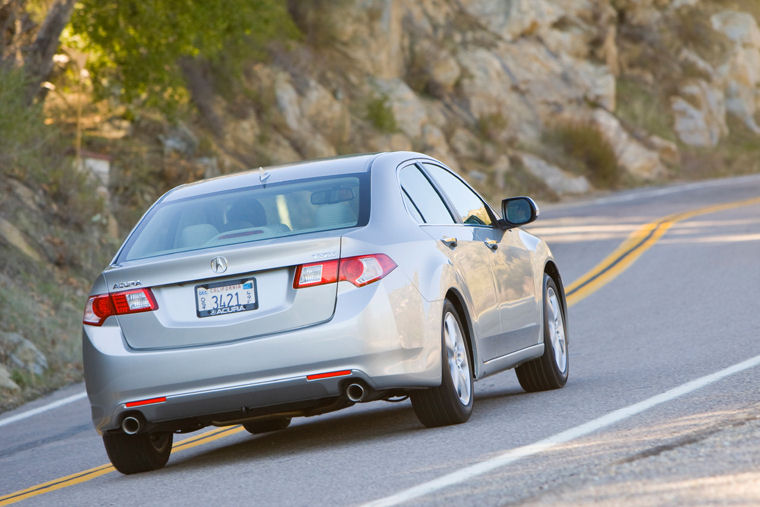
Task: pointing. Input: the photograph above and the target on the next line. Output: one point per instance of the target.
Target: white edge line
(517, 453)
(44, 408)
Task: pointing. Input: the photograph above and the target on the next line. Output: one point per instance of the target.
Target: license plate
(230, 296)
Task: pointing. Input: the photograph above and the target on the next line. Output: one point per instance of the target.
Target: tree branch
(39, 55)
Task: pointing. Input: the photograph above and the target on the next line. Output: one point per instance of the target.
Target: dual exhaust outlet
(355, 392)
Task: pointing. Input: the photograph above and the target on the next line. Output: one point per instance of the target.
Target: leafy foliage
(136, 45)
(380, 115)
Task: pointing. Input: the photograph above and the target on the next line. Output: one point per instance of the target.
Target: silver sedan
(298, 290)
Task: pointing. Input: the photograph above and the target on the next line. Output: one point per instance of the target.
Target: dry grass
(581, 148)
(643, 107)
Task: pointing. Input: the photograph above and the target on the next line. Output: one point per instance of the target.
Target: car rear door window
(467, 204)
(424, 198)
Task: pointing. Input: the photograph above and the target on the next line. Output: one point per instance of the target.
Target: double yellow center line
(86, 475)
(618, 261)
(631, 249)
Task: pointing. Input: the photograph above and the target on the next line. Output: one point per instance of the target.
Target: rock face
(18, 352)
(740, 74)
(632, 155)
(557, 179)
(471, 81)
(6, 382)
(700, 118)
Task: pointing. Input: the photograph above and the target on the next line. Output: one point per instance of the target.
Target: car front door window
(470, 208)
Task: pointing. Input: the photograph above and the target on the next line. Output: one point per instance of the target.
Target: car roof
(308, 169)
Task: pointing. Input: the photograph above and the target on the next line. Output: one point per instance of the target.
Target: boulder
(515, 18)
(16, 238)
(631, 155)
(6, 382)
(20, 353)
(389, 142)
(324, 113)
(370, 32)
(559, 181)
(179, 139)
(667, 150)
(287, 101)
(501, 168)
(408, 109)
(700, 120)
(310, 117)
(436, 146)
(444, 71)
(492, 89)
(740, 73)
(465, 144)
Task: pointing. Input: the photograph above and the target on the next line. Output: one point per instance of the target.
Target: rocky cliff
(553, 96)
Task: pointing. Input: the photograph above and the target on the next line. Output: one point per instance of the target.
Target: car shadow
(335, 431)
(374, 423)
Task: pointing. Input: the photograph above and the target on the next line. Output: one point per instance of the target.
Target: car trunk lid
(260, 273)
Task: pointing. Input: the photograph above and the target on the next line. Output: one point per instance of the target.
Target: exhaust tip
(130, 425)
(355, 392)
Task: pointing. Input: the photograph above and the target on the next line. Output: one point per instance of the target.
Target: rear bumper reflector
(317, 376)
(150, 401)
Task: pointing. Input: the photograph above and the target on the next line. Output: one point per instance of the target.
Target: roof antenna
(263, 175)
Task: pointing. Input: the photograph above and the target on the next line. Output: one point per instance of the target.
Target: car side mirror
(518, 211)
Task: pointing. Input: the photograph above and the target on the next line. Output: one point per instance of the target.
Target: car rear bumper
(384, 334)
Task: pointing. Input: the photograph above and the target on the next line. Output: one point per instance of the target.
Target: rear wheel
(451, 402)
(131, 454)
(550, 370)
(267, 425)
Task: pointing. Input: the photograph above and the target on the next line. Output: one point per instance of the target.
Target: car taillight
(365, 269)
(100, 307)
(360, 271)
(317, 273)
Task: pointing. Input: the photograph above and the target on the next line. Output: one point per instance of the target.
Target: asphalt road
(686, 308)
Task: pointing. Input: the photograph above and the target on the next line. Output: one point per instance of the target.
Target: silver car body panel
(387, 333)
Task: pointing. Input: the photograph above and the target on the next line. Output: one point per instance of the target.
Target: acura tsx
(297, 290)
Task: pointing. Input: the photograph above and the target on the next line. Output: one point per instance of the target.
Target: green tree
(147, 50)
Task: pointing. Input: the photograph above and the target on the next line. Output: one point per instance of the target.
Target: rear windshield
(250, 214)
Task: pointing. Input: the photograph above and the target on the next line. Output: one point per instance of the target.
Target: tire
(132, 454)
(267, 425)
(451, 402)
(550, 370)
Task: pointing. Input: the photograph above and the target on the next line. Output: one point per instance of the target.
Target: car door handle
(492, 244)
(450, 242)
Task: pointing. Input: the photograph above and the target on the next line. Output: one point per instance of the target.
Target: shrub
(22, 129)
(491, 127)
(380, 115)
(586, 151)
(643, 107)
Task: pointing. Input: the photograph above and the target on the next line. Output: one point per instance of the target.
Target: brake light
(365, 269)
(100, 307)
(360, 271)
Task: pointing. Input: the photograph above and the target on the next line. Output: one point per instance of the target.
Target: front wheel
(550, 370)
(451, 402)
(131, 454)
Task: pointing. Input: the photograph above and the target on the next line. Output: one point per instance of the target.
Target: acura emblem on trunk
(218, 264)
